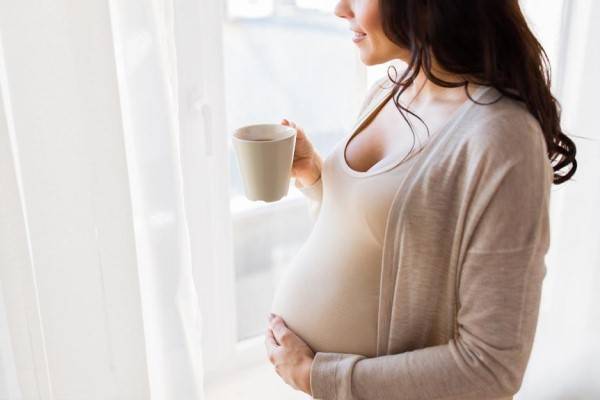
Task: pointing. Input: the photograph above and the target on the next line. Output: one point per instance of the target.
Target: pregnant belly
(330, 298)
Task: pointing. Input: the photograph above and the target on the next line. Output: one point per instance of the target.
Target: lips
(358, 36)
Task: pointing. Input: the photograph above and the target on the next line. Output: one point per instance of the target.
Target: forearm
(448, 372)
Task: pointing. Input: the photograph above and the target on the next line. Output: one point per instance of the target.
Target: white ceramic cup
(265, 154)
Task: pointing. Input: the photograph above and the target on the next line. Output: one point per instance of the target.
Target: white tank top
(329, 295)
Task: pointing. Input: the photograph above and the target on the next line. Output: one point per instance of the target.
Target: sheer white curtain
(98, 295)
(146, 58)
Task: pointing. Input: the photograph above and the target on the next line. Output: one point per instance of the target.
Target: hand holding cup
(307, 164)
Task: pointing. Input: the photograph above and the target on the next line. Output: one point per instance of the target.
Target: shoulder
(381, 84)
(505, 129)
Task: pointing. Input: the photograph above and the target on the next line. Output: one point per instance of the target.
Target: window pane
(283, 59)
(544, 17)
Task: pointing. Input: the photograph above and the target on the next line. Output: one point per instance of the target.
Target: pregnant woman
(422, 275)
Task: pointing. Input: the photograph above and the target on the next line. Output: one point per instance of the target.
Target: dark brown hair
(489, 42)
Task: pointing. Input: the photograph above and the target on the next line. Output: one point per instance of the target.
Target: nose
(342, 10)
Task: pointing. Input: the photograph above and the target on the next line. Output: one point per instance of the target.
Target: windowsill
(258, 381)
(241, 205)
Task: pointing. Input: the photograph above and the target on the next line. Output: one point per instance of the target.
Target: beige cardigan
(462, 265)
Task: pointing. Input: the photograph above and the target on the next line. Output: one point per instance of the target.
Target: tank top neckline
(456, 115)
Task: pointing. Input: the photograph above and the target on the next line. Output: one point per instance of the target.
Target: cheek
(369, 19)
(367, 16)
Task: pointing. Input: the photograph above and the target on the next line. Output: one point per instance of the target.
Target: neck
(424, 90)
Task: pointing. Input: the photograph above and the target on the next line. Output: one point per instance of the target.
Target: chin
(371, 59)
(367, 62)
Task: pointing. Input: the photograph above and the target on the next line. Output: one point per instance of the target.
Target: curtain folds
(98, 296)
(146, 58)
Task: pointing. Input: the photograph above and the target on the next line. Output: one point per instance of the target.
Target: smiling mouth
(358, 36)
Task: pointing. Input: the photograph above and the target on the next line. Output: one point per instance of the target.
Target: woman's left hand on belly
(291, 356)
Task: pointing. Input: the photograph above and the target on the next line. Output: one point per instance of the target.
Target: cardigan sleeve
(500, 282)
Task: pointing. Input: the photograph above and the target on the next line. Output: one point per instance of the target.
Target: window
(545, 18)
(283, 59)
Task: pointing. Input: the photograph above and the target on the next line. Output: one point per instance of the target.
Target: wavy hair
(488, 41)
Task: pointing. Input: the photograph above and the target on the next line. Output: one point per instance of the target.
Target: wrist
(307, 365)
(313, 174)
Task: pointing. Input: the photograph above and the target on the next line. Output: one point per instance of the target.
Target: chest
(386, 136)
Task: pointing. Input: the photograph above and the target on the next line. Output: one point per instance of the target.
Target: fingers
(270, 341)
(269, 338)
(273, 349)
(271, 345)
(281, 332)
(293, 125)
(279, 329)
